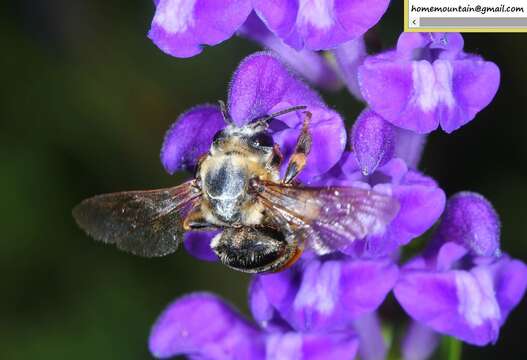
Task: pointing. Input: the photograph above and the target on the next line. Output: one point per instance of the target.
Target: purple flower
(461, 285)
(326, 306)
(321, 294)
(260, 85)
(319, 308)
(319, 24)
(203, 326)
(310, 65)
(421, 201)
(181, 27)
(428, 81)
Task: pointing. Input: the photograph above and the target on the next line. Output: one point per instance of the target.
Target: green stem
(451, 348)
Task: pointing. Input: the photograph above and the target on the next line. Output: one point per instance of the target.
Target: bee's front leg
(276, 159)
(302, 148)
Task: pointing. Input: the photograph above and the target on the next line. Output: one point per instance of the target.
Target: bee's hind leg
(302, 148)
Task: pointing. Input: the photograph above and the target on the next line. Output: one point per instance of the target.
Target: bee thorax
(224, 185)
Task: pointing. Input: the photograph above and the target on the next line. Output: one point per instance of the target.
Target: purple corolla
(463, 285)
(182, 27)
(428, 81)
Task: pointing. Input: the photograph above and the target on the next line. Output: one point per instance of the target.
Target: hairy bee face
(249, 139)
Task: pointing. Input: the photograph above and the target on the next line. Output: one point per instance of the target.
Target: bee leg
(225, 113)
(195, 220)
(302, 148)
(276, 158)
(198, 164)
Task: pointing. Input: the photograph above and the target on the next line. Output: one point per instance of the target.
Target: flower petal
(365, 284)
(468, 304)
(409, 42)
(510, 279)
(474, 84)
(428, 81)
(181, 27)
(203, 325)
(420, 207)
(260, 82)
(446, 256)
(390, 88)
(261, 308)
(414, 45)
(190, 137)
(310, 65)
(319, 24)
(372, 140)
(441, 300)
(298, 346)
(318, 295)
(197, 243)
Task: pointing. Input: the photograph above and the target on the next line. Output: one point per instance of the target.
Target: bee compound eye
(252, 250)
(262, 139)
(218, 136)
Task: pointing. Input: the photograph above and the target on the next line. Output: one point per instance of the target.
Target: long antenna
(226, 116)
(282, 112)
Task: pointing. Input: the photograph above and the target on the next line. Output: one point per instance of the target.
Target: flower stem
(451, 348)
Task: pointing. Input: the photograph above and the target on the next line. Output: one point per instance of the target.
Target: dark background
(86, 99)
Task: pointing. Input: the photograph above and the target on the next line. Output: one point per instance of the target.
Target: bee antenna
(226, 116)
(282, 112)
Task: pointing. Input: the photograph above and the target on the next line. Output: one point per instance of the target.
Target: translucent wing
(145, 223)
(328, 219)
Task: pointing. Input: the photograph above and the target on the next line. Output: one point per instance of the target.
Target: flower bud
(372, 140)
(471, 220)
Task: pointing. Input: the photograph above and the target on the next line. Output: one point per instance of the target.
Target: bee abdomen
(253, 249)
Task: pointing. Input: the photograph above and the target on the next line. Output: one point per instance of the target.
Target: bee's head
(252, 136)
(249, 137)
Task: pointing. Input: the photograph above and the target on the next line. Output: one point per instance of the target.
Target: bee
(266, 220)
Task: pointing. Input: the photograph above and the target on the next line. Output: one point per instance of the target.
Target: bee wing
(329, 219)
(144, 223)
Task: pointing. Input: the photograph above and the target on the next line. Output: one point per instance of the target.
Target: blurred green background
(86, 99)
